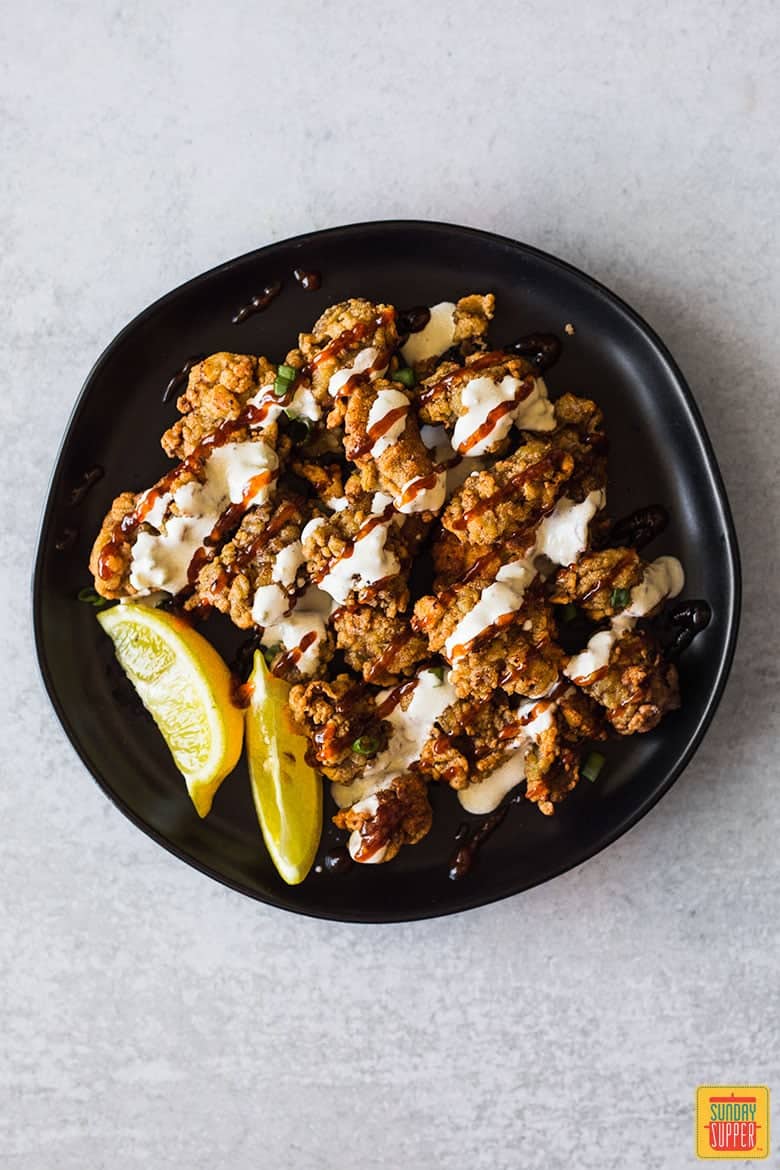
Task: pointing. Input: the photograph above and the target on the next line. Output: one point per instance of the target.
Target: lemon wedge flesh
(286, 791)
(184, 684)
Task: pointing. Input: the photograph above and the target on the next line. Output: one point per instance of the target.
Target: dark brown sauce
(199, 559)
(349, 548)
(240, 692)
(470, 842)
(413, 320)
(378, 430)
(385, 660)
(88, 480)
(464, 374)
(123, 531)
(309, 281)
(67, 540)
(495, 415)
(543, 349)
(390, 703)
(425, 483)
(686, 619)
(258, 303)
(609, 578)
(587, 680)
(181, 377)
(337, 861)
(639, 528)
(543, 467)
(285, 662)
(485, 635)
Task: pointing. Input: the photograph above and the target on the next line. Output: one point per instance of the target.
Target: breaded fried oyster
(415, 531)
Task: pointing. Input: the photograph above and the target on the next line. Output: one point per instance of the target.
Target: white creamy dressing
(385, 402)
(563, 535)
(437, 336)
(270, 604)
(486, 795)
(304, 405)
(161, 560)
(380, 502)
(663, 578)
(560, 537)
(363, 362)
(290, 631)
(370, 561)
(480, 396)
(337, 503)
(287, 563)
(369, 806)
(311, 527)
(429, 499)
(409, 730)
(503, 597)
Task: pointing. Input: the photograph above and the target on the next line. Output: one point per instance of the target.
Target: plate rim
(734, 567)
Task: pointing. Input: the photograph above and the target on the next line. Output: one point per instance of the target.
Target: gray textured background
(152, 1018)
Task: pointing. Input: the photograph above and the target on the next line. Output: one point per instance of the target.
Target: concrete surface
(151, 1018)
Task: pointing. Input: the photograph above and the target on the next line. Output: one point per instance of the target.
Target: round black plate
(660, 454)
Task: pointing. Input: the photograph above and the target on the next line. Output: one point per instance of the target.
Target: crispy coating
(580, 432)
(392, 817)
(639, 685)
(333, 715)
(381, 648)
(217, 390)
(591, 581)
(404, 460)
(332, 540)
(471, 320)
(326, 479)
(229, 581)
(468, 742)
(109, 561)
(338, 337)
(514, 494)
(440, 394)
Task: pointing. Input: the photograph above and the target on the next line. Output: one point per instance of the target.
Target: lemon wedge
(286, 791)
(184, 684)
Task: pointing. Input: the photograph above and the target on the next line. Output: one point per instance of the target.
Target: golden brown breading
(338, 336)
(468, 742)
(392, 817)
(591, 581)
(333, 716)
(327, 479)
(404, 460)
(552, 770)
(439, 395)
(109, 561)
(379, 647)
(580, 432)
(471, 320)
(638, 686)
(217, 390)
(229, 581)
(333, 540)
(514, 494)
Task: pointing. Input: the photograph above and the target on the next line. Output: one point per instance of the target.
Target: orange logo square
(732, 1121)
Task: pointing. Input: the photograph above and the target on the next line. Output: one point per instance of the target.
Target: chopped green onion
(90, 597)
(592, 766)
(288, 373)
(439, 672)
(270, 652)
(281, 387)
(365, 745)
(568, 612)
(404, 375)
(620, 598)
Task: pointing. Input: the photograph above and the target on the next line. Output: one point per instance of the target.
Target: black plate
(660, 454)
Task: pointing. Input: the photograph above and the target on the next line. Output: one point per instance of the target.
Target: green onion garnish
(89, 597)
(404, 375)
(593, 765)
(620, 598)
(439, 672)
(285, 376)
(568, 612)
(365, 745)
(270, 652)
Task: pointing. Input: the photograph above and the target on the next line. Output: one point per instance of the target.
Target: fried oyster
(310, 500)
